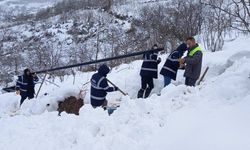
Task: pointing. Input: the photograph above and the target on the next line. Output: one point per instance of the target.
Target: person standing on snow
(25, 85)
(100, 87)
(171, 66)
(149, 71)
(193, 62)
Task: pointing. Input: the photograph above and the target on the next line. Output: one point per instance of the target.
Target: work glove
(18, 92)
(34, 75)
(116, 88)
(159, 60)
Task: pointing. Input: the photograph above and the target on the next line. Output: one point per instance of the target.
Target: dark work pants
(25, 95)
(147, 84)
(167, 81)
(190, 82)
(99, 103)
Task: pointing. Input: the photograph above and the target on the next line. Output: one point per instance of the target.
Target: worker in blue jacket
(100, 87)
(149, 71)
(171, 66)
(25, 85)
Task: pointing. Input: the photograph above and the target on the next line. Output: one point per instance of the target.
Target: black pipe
(100, 60)
(12, 89)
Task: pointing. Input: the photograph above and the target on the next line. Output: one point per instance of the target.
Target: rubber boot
(140, 93)
(147, 93)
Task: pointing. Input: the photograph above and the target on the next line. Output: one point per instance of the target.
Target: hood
(26, 70)
(103, 70)
(155, 46)
(182, 48)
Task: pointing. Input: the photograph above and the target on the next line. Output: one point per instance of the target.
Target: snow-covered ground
(28, 4)
(212, 116)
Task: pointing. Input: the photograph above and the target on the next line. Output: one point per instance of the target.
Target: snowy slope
(212, 116)
(29, 5)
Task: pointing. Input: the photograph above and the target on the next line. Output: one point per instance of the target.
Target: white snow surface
(211, 116)
(29, 4)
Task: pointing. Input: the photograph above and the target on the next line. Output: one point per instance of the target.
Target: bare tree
(237, 11)
(172, 24)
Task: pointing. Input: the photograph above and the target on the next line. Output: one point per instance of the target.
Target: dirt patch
(70, 105)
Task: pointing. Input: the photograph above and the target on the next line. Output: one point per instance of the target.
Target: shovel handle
(125, 94)
(203, 75)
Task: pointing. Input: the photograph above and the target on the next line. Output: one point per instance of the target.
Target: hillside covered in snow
(67, 32)
(211, 116)
(46, 34)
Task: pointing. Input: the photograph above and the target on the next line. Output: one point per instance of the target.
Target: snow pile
(214, 115)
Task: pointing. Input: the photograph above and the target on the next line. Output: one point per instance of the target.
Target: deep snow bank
(214, 115)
